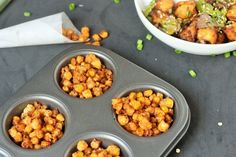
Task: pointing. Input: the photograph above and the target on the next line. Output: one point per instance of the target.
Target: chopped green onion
(192, 73)
(149, 37)
(178, 51)
(117, 1)
(27, 14)
(139, 41)
(227, 54)
(140, 47)
(149, 18)
(149, 8)
(234, 53)
(72, 6)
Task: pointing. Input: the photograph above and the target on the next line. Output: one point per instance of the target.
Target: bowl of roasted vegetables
(203, 27)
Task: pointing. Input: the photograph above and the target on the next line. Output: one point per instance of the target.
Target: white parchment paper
(42, 31)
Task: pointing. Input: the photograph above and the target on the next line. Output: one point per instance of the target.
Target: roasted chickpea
(82, 145)
(123, 120)
(85, 77)
(163, 126)
(33, 128)
(95, 149)
(144, 113)
(113, 150)
(104, 34)
(95, 144)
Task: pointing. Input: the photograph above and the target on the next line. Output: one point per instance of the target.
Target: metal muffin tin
(94, 118)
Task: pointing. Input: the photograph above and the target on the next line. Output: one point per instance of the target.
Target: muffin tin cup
(4, 153)
(106, 138)
(94, 118)
(17, 108)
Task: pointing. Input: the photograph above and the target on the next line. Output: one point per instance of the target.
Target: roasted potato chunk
(185, 9)
(231, 14)
(230, 31)
(165, 5)
(221, 38)
(158, 16)
(190, 32)
(207, 35)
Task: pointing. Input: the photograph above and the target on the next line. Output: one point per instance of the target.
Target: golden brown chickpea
(139, 132)
(104, 34)
(163, 126)
(96, 37)
(113, 150)
(16, 120)
(67, 75)
(85, 30)
(26, 143)
(20, 127)
(87, 94)
(82, 145)
(34, 140)
(60, 118)
(145, 124)
(123, 120)
(95, 144)
(74, 37)
(96, 63)
(36, 124)
(147, 93)
(168, 102)
(78, 154)
(37, 146)
(49, 127)
(135, 104)
(45, 144)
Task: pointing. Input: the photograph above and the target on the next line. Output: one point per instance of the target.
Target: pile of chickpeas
(84, 37)
(37, 127)
(85, 77)
(144, 113)
(95, 149)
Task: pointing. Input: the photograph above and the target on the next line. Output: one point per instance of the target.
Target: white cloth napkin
(42, 31)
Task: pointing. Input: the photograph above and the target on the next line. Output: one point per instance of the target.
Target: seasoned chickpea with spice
(84, 36)
(95, 149)
(85, 77)
(37, 127)
(144, 113)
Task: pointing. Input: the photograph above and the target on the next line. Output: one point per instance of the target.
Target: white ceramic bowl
(189, 47)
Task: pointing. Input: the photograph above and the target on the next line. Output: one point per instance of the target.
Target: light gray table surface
(211, 96)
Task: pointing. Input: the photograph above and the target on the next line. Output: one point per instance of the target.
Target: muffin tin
(94, 118)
